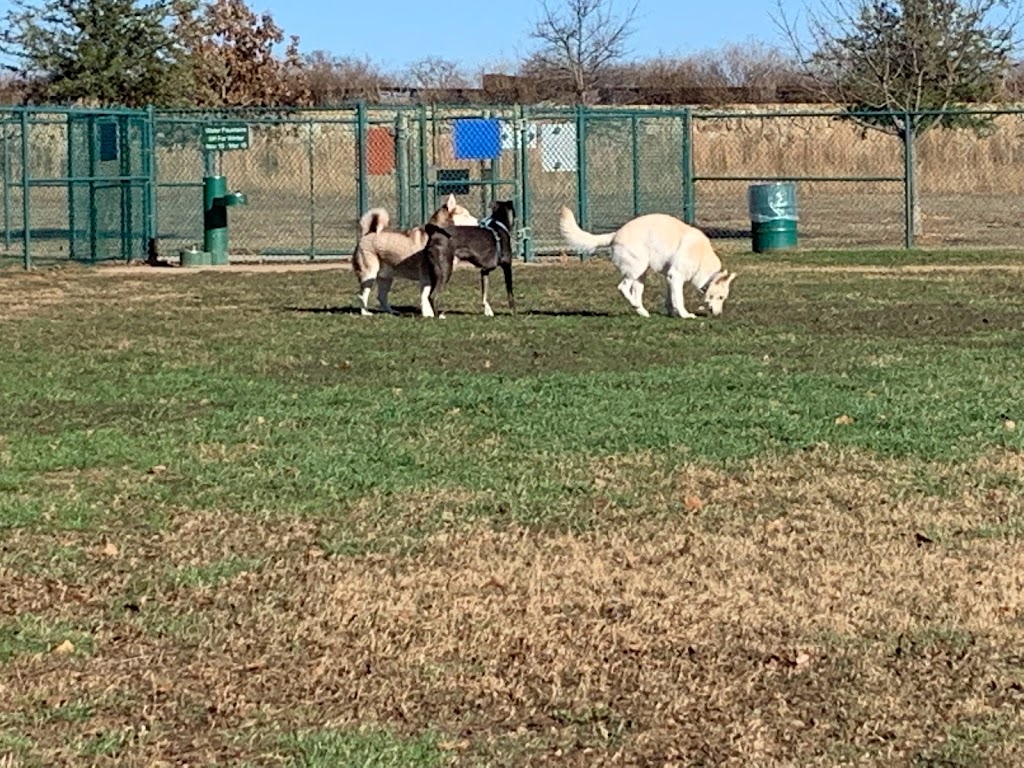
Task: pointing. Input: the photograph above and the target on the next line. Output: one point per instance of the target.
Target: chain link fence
(75, 185)
(102, 184)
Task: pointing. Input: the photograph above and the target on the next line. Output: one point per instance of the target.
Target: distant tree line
(188, 53)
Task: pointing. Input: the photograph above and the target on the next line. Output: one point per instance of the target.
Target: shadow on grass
(404, 311)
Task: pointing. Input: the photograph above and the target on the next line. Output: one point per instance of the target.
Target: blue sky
(396, 32)
(474, 33)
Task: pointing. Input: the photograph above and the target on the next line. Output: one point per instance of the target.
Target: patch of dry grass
(804, 610)
(242, 527)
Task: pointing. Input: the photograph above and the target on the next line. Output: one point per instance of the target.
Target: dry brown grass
(809, 610)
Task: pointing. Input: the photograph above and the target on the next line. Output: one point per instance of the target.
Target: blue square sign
(477, 138)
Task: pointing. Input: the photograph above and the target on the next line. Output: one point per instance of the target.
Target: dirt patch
(809, 610)
(28, 300)
(27, 294)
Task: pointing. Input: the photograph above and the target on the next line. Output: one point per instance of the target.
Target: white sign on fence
(558, 147)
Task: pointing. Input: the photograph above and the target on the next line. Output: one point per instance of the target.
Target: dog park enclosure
(98, 185)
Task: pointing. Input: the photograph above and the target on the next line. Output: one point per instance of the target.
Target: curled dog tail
(577, 238)
(374, 220)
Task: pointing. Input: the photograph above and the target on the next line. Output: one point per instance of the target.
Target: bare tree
(335, 79)
(907, 66)
(579, 40)
(434, 72)
(752, 65)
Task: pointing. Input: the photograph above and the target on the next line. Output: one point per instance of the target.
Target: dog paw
(488, 312)
(365, 312)
(642, 312)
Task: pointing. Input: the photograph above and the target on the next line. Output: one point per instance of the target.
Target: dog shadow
(722, 233)
(410, 311)
(321, 310)
(567, 313)
(399, 311)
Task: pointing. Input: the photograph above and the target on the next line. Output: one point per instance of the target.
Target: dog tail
(577, 238)
(374, 220)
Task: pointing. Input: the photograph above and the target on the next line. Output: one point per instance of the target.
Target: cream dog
(664, 244)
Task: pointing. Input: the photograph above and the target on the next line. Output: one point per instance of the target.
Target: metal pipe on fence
(26, 177)
(635, 127)
(402, 167)
(150, 171)
(522, 131)
(127, 189)
(312, 191)
(686, 158)
(70, 182)
(581, 166)
(424, 204)
(360, 147)
(7, 186)
(909, 199)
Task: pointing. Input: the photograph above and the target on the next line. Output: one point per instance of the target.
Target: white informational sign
(508, 135)
(558, 147)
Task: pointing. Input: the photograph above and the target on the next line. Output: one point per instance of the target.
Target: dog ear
(732, 276)
(450, 203)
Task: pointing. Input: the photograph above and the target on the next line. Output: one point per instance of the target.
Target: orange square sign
(380, 151)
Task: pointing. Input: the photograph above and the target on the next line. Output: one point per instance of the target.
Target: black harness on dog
(486, 224)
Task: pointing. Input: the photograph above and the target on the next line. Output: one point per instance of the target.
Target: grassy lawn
(242, 525)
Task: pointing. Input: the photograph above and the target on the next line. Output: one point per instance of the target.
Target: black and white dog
(486, 246)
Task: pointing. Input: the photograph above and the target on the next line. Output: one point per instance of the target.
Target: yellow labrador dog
(381, 254)
(664, 244)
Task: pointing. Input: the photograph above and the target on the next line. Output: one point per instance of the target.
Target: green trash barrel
(773, 216)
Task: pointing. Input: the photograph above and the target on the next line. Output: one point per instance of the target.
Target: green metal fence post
(7, 189)
(312, 191)
(402, 167)
(93, 223)
(581, 166)
(432, 177)
(635, 129)
(487, 173)
(424, 171)
(126, 188)
(522, 134)
(72, 218)
(909, 193)
(689, 203)
(495, 169)
(26, 223)
(149, 223)
(361, 159)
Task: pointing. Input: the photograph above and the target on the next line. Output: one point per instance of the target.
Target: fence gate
(454, 151)
(109, 184)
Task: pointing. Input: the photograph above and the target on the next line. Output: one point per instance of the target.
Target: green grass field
(242, 525)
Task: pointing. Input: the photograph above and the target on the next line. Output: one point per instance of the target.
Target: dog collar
(704, 288)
